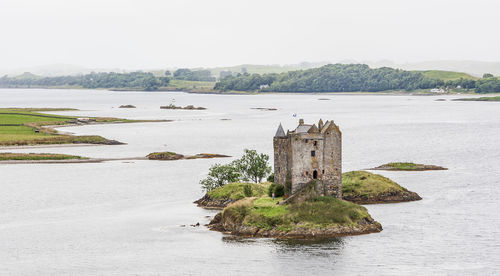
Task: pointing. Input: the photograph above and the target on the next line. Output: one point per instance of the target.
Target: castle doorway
(315, 174)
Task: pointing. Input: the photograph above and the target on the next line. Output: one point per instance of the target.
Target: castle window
(315, 143)
(307, 140)
(315, 174)
(313, 153)
(307, 173)
(323, 172)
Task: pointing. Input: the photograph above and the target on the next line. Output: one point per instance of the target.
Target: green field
(24, 126)
(12, 118)
(446, 75)
(20, 133)
(185, 85)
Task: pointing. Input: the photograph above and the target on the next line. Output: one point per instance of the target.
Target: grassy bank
(366, 184)
(36, 156)
(27, 126)
(236, 191)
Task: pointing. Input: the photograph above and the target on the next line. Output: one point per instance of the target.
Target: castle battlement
(309, 153)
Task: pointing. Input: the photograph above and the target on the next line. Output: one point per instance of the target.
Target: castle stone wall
(295, 165)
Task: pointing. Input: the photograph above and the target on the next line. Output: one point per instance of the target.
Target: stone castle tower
(309, 154)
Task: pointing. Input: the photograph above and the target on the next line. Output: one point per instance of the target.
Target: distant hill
(264, 69)
(446, 70)
(469, 68)
(475, 68)
(446, 75)
(53, 70)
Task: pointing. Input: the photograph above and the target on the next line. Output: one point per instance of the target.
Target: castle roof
(280, 132)
(303, 128)
(313, 129)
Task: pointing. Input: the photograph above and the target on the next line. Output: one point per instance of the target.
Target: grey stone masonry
(310, 153)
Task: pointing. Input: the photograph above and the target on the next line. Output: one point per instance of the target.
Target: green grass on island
(481, 99)
(366, 184)
(408, 166)
(4, 156)
(361, 187)
(403, 166)
(318, 212)
(166, 155)
(236, 191)
(27, 126)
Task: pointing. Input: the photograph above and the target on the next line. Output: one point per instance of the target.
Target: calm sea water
(124, 218)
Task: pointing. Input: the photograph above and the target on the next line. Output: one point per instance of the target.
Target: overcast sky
(134, 34)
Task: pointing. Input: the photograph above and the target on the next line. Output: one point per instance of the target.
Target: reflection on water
(312, 247)
(122, 218)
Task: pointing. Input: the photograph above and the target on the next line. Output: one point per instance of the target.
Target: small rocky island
(407, 166)
(127, 106)
(187, 107)
(363, 187)
(305, 198)
(316, 217)
(167, 155)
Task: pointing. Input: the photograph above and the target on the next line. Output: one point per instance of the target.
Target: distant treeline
(198, 75)
(348, 78)
(134, 80)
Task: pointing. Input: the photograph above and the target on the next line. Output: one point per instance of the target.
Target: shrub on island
(277, 189)
(232, 192)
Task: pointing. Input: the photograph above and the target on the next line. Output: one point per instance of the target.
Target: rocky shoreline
(211, 203)
(227, 225)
